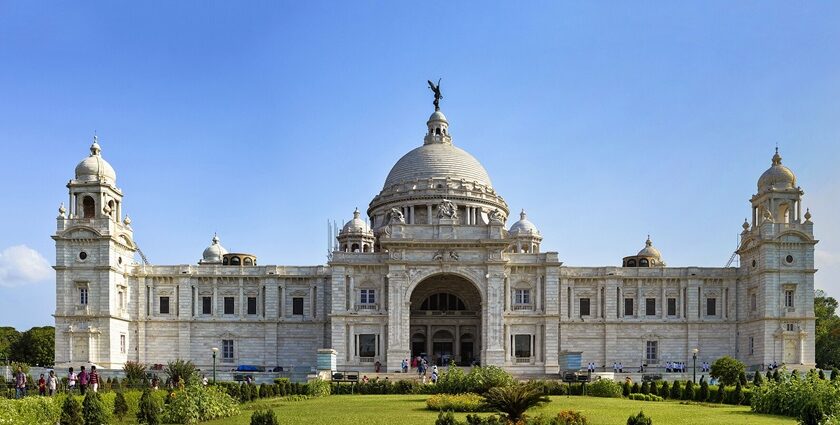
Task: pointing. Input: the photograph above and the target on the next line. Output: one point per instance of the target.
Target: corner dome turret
(94, 167)
(523, 226)
(777, 177)
(356, 225)
(649, 256)
(214, 253)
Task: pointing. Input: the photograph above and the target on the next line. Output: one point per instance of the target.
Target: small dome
(94, 167)
(214, 252)
(523, 226)
(777, 176)
(649, 250)
(356, 225)
(438, 116)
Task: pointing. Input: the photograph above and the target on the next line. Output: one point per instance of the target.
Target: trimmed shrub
(264, 417)
(822, 374)
(120, 405)
(654, 388)
(790, 398)
(635, 388)
(639, 419)
(688, 392)
(720, 395)
(197, 403)
(727, 370)
(318, 388)
(835, 374)
(93, 410)
(149, 408)
(703, 394)
(757, 379)
(514, 400)
(604, 388)
(244, 393)
(645, 397)
(737, 395)
(71, 412)
(645, 387)
(676, 391)
(570, 417)
(665, 390)
(742, 378)
(468, 402)
(626, 388)
(812, 413)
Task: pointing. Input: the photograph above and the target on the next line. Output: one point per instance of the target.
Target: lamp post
(215, 350)
(694, 366)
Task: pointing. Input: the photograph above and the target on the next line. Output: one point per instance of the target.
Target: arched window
(225, 261)
(631, 263)
(111, 208)
(235, 261)
(354, 248)
(442, 302)
(366, 248)
(248, 262)
(643, 262)
(88, 207)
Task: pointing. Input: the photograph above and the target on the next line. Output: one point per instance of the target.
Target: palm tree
(514, 400)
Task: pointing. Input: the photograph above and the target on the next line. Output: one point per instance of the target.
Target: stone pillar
(351, 295)
(241, 303)
(282, 309)
(429, 214)
(507, 294)
(411, 213)
(351, 348)
(493, 313)
(398, 317)
(538, 300)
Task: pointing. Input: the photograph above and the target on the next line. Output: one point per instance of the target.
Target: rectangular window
(122, 343)
(672, 306)
(628, 306)
(367, 345)
(711, 306)
(229, 305)
(584, 307)
(651, 351)
(522, 345)
(789, 299)
(297, 306)
(522, 296)
(650, 306)
(121, 300)
(752, 346)
(367, 296)
(252, 305)
(753, 302)
(227, 350)
(790, 327)
(83, 296)
(206, 305)
(164, 305)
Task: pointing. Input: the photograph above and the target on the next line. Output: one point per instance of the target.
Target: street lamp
(215, 350)
(694, 367)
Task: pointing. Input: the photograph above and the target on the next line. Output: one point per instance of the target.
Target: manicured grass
(411, 410)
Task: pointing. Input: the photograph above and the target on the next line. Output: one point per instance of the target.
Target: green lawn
(410, 409)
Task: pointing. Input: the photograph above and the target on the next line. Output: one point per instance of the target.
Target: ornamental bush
(645, 387)
(703, 394)
(790, 397)
(570, 417)
(467, 402)
(93, 409)
(318, 388)
(727, 370)
(676, 391)
(665, 390)
(120, 405)
(688, 392)
(264, 417)
(71, 412)
(639, 419)
(757, 379)
(514, 400)
(197, 403)
(604, 388)
(149, 408)
(626, 388)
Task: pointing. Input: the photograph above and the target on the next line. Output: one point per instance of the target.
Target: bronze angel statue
(436, 89)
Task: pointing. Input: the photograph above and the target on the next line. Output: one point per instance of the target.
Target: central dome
(438, 160)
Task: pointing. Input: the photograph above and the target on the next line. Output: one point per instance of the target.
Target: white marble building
(437, 272)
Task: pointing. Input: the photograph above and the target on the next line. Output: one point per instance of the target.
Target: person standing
(83, 380)
(20, 383)
(93, 380)
(42, 386)
(52, 383)
(71, 381)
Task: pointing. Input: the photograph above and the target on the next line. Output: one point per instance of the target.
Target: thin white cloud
(21, 265)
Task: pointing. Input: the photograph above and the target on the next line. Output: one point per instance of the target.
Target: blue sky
(260, 121)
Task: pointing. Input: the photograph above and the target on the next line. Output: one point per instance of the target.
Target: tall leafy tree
(8, 338)
(827, 333)
(36, 346)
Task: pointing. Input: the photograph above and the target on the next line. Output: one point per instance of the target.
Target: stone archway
(445, 317)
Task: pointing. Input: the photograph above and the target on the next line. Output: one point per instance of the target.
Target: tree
(35, 346)
(514, 400)
(727, 370)
(267, 417)
(827, 331)
(665, 390)
(704, 390)
(676, 391)
(757, 380)
(639, 419)
(688, 392)
(8, 337)
(135, 374)
(180, 372)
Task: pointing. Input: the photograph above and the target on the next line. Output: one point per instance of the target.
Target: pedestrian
(93, 380)
(71, 381)
(83, 380)
(620, 368)
(52, 383)
(204, 380)
(42, 386)
(405, 366)
(20, 383)
(434, 374)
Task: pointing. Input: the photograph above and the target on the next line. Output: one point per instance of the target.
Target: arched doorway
(445, 317)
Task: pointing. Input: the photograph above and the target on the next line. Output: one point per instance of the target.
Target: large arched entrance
(445, 319)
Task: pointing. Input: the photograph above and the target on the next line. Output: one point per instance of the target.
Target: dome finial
(522, 214)
(61, 210)
(648, 242)
(356, 213)
(777, 159)
(435, 88)
(127, 220)
(807, 215)
(94, 147)
(215, 238)
(746, 225)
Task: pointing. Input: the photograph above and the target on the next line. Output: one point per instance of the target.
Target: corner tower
(94, 249)
(777, 265)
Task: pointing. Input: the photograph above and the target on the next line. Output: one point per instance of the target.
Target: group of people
(48, 385)
(422, 366)
(773, 366)
(678, 367)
